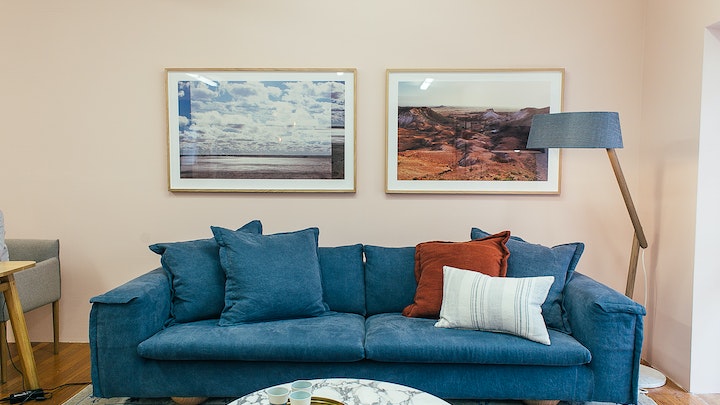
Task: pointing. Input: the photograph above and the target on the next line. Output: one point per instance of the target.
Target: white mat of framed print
(465, 131)
(261, 130)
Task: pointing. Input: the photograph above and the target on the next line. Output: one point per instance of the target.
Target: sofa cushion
(389, 278)
(334, 337)
(532, 260)
(270, 277)
(197, 280)
(487, 255)
(343, 278)
(396, 338)
(472, 300)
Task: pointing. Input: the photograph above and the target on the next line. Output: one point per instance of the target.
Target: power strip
(29, 395)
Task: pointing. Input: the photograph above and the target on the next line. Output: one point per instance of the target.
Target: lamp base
(650, 378)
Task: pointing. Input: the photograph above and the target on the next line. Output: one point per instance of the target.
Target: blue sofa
(142, 347)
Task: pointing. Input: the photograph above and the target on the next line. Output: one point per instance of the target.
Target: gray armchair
(37, 286)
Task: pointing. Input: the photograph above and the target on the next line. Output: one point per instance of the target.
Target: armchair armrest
(610, 325)
(33, 249)
(119, 320)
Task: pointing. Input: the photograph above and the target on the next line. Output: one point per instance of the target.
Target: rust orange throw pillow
(487, 255)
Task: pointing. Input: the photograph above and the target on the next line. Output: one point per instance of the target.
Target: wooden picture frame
(261, 130)
(465, 131)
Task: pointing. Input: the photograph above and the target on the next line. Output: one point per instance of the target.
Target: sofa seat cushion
(396, 338)
(333, 337)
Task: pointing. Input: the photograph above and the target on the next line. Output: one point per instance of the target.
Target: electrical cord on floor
(25, 396)
(37, 395)
(7, 347)
(30, 395)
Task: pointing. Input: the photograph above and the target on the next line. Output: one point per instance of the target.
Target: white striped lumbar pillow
(472, 300)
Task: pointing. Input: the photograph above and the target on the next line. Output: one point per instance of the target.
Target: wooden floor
(72, 367)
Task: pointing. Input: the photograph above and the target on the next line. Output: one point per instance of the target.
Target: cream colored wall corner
(705, 354)
(672, 94)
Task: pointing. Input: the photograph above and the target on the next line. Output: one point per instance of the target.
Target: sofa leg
(189, 400)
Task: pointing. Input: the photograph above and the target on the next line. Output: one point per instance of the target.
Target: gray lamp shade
(575, 130)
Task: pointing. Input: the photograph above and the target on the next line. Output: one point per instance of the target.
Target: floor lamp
(597, 130)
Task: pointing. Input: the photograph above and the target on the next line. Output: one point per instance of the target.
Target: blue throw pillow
(270, 277)
(532, 260)
(197, 280)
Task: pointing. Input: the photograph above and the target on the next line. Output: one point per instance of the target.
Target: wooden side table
(17, 319)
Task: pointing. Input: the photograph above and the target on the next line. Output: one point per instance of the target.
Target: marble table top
(355, 392)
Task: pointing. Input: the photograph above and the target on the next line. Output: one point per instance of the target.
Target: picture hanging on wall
(261, 130)
(465, 131)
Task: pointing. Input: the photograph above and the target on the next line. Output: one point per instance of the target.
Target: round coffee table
(355, 392)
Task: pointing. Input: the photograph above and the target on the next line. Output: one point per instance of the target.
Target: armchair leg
(56, 325)
(4, 355)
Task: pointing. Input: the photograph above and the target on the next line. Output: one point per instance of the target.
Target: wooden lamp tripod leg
(639, 240)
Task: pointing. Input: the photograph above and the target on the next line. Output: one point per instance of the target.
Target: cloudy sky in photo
(501, 95)
(259, 117)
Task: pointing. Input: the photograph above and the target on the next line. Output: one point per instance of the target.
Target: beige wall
(672, 96)
(705, 356)
(83, 138)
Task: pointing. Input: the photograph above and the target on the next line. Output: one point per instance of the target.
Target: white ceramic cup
(300, 398)
(301, 385)
(278, 395)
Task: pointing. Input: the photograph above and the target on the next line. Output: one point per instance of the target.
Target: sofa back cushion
(389, 278)
(343, 278)
(270, 277)
(533, 260)
(197, 280)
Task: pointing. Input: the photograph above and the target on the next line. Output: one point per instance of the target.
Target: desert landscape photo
(466, 143)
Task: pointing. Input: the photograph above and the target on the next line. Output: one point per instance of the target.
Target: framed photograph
(465, 131)
(261, 130)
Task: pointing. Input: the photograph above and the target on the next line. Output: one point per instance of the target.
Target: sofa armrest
(610, 325)
(119, 320)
